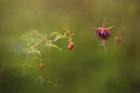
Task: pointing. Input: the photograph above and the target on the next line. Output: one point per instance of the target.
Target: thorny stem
(68, 34)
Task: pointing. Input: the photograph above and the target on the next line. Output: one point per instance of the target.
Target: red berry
(71, 45)
(42, 66)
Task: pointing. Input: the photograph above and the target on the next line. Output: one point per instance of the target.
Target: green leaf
(35, 40)
(56, 35)
(55, 46)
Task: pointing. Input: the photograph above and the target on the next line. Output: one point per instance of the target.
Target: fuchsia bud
(117, 38)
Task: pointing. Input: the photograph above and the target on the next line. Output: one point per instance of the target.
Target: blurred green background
(85, 69)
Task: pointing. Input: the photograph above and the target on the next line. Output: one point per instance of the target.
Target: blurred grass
(84, 70)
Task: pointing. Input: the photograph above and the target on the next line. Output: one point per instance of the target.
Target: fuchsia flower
(103, 33)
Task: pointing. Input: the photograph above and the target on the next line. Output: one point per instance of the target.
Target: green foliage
(34, 41)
